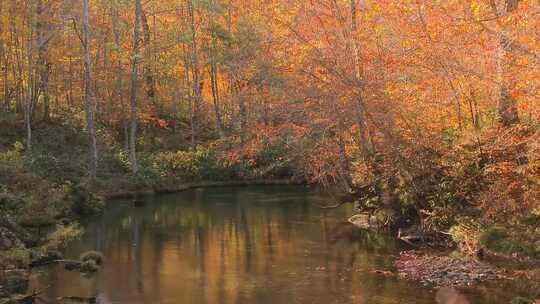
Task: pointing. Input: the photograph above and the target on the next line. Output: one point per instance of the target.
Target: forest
(421, 117)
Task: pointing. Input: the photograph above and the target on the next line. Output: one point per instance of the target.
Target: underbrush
(482, 187)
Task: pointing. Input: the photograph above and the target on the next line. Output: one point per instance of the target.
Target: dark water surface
(258, 245)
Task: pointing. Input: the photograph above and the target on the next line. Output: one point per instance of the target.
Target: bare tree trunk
(88, 95)
(197, 90)
(43, 68)
(5, 71)
(4, 62)
(216, 98)
(70, 90)
(243, 117)
(473, 108)
(148, 73)
(134, 83)
(17, 66)
(30, 89)
(344, 162)
(118, 90)
(214, 70)
(188, 96)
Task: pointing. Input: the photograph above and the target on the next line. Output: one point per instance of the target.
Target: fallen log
(85, 300)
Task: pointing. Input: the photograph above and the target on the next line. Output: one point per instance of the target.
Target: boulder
(9, 240)
(89, 267)
(361, 220)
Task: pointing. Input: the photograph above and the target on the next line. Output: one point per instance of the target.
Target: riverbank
(436, 271)
(164, 189)
(42, 239)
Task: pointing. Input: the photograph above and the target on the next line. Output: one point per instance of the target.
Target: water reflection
(233, 246)
(450, 295)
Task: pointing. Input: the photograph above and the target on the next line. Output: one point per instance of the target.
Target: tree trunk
(197, 86)
(344, 162)
(30, 86)
(4, 62)
(361, 113)
(43, 68)
(214, 81)
(5, 71)
(148, 73)
(507, 108)
(243, 117)
(134, 82)
(88, 95)
(216, 97)
(118, 90)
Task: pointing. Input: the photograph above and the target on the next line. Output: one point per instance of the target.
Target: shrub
(63, 235)
(466, 233)
(519, 238)
(85, 202)
(12, 159)
(97, 257)
(18, 257)
(201, 164)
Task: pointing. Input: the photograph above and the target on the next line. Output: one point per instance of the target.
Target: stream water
(265, 244)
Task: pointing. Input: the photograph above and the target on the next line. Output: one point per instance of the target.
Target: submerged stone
(361, 220)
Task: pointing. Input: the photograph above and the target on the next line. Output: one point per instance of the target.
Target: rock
(411, 236)
(361, 221)
(89, 267)
(9, 240)
(8, 222)
(95, 256)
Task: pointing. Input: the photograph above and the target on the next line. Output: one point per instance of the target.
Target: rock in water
(361, 220)
(89, 267)
(95, 256)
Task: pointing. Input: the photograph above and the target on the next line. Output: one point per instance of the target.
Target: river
(264, 244)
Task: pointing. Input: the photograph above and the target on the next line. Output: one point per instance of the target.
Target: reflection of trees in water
(137, 254)
(208, 248)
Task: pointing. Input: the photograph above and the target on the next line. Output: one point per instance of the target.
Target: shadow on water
(235, 245)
